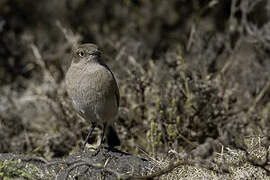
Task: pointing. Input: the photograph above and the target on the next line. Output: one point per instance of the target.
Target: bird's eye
(81, 53)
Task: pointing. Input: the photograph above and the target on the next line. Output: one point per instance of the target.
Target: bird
(94, 92)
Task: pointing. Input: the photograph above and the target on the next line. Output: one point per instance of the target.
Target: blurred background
(193, 75)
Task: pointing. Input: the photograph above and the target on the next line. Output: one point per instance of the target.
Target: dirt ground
(194, 80)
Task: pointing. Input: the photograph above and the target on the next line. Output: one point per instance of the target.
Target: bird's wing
(117, 94)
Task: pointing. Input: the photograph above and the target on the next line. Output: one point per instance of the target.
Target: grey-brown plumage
(93, 89)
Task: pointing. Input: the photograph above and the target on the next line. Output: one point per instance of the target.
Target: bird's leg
(103, 133)
(88, 136)
(102, 140)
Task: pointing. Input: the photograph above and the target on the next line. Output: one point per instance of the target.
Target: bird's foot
(82, 148)
(97, 150)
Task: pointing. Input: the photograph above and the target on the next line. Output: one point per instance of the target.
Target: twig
(41, 63)
(98, 166)
(259, 97)
(72, 38)
(41, 159)
(161, 172)
(191, 35)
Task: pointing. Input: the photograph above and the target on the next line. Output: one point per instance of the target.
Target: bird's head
(86, 53)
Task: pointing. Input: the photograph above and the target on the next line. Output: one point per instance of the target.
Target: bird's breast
(88, 85)
(92, 90)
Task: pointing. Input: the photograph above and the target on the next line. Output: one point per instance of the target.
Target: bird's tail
(112, 137)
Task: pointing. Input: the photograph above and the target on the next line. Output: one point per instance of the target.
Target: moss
(15, 169)
(154, 142)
